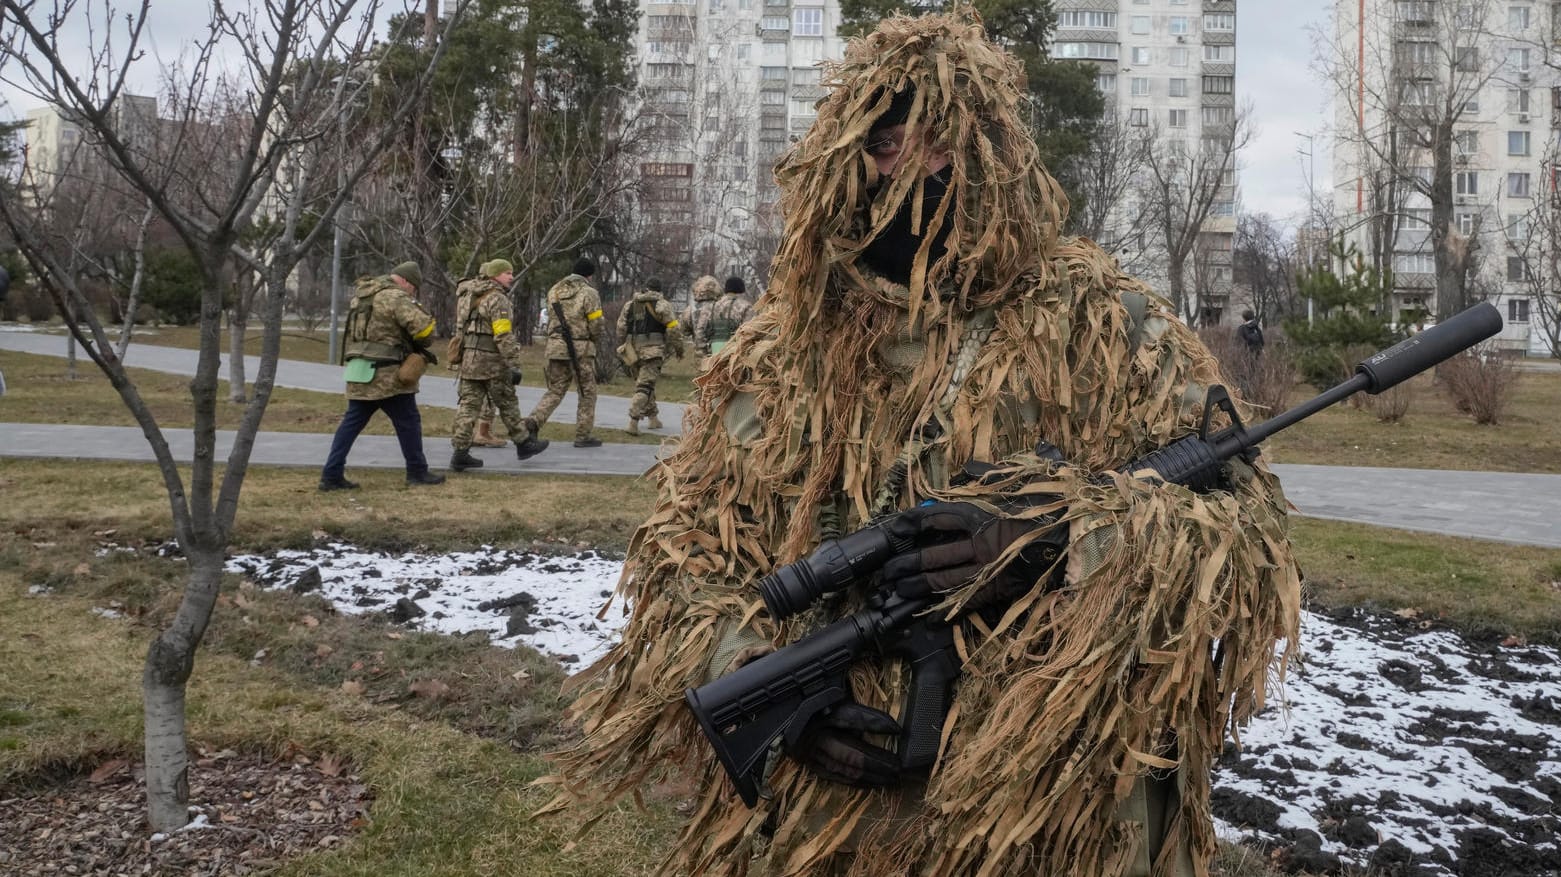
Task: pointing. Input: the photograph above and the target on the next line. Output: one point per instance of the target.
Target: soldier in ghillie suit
(730, 311)
(923, 314)
(489, 364)
(385, 351)
(574, 327)
(704, 293)
(649, 330)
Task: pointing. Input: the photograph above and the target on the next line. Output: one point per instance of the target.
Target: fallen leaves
(429, 688)
(353, 687)
(107, 769)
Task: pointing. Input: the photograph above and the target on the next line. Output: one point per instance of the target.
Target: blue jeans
(402, 411)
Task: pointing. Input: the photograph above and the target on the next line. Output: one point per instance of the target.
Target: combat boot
(485, 437)
(655, 422)
(529, 446)
(462, 460)
(634, 426)
(427, 478)
(589, 441)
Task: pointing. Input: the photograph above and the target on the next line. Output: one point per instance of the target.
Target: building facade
(1168, 70)
(727, 86)
(1449, 109)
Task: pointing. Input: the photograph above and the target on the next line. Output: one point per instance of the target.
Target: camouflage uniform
(488, 352)
(384, 326)
(706, 291)
(721, 321)
(582, 309)
(649, 327)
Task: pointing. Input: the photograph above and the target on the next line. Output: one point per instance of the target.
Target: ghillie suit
(812, 421)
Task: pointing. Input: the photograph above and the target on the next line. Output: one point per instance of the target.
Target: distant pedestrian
(489, 366)
(572, 335)
(730, 311)
(1250, 333)
(703, 297)
(385, 351)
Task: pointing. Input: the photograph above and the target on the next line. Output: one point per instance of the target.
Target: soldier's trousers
(560, 374)
(646, 373)
(471, 395)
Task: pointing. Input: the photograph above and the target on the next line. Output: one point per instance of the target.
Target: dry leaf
(520, 674)
(1407, 613)
(357, 665)
(430, 688)
(310, 621)
(106, 770)
(323, 650)
(82, 569)
(316, 805)
(353, 686)
(1513, 641)
(242, 601)
(393, 635)
(330, 765)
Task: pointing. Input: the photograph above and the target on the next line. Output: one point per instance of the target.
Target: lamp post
(336, 224)
(1311, 195)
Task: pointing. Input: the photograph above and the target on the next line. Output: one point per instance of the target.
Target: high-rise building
(56, 144)
(728, 85)
(1445, 118)
(1168, 70)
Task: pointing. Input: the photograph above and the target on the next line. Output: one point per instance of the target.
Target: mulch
(249, 814)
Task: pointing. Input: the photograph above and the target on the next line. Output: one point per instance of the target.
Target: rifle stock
(747, 713)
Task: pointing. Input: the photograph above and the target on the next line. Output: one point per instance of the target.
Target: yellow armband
(501, 327)
(594, 315)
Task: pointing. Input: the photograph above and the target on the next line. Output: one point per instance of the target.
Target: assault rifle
(569, 343)
(748, 711)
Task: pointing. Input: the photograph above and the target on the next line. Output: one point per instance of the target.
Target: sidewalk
(1497, 506)
(612, 412)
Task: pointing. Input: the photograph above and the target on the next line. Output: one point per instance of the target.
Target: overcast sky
(1273, 73)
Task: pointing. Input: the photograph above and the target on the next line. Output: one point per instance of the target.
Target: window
(803, 106)
(1087, 18)
(1107, 82)
(1138, 117)
(1466, 18)
(742, 51)
(1220, 54)
(772, 74)
(1140, 86)
(1140, 55)
(1097, 51)
(1466, 142)
(739, 149)
(1414, 263)
(715, 5)
(1464, 222)
(1517, 228)
(807, 21)
(774, 22)
(1177, 88)
(1517, 310)
(1219, 84)
(1413, 53)
(1517, 100)
(1517, 143)
(1414, 11)
(1518, 270)
(805, 75)
(1181, 25)
(771, 97)
(1178, 56)
(1178, 119)
(1466, 182)
(1416, 92)
(1517, 60)
(1219, 115)
(1223, 208)
(1467, 58)
(1219, 21)
(1472, 105)
(773, 53)
(1517, 18)
(664, 169)
(1517, 185)
(1139, 24)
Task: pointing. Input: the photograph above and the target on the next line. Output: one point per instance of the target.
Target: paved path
(1499, 506)
(611, 411)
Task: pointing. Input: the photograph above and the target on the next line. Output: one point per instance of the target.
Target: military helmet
(707, 288)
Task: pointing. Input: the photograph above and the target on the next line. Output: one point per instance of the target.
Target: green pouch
(360, 371)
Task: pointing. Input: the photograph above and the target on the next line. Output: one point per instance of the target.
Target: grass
(38, 390)
(1433, 435)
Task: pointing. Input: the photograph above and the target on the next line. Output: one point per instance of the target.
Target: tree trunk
(169, 663)
(238, 324)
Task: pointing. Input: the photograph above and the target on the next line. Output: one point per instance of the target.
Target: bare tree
(1408, 85)
(1534, 260)
(1105, 177)
(1183, 183)
(1265, 264)
(288, 100)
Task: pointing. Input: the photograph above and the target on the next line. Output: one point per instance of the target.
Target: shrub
(1392, 404)
(1264, 381)
(1480, 382)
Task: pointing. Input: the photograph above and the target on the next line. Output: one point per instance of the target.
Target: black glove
(955, 541)
(832, 747)
(514, 377)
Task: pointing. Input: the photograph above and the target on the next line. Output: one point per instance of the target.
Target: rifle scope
(835, 564)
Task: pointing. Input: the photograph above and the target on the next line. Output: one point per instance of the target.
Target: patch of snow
(104, 612)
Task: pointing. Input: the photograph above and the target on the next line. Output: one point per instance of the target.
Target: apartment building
(1476, 68)
(56, 144)
(728, 85)
(1168, 70)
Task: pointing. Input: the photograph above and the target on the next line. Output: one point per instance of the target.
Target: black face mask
(893, 251)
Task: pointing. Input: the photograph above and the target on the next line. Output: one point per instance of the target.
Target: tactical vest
(360, 318)
(477, 333)
(722, 327)
(645, 328)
